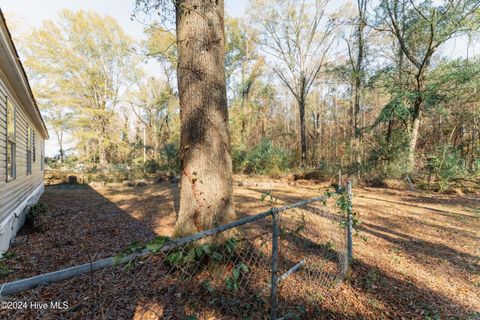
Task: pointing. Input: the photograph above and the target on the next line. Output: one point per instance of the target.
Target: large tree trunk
(356, 110)
(362, 7)
(102, 155)
(60, 143)
(303, 133)
(416, 118)
(206, 198)
(243, 104)
(413, 139)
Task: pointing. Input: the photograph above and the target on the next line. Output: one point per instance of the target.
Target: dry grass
(416, 254)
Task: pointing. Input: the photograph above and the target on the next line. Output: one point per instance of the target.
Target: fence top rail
(13, 287)
(211, 232)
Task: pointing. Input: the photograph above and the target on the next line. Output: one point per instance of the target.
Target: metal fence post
(350, 222)
(273, 292)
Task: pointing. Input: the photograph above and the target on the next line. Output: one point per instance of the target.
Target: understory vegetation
(375, 91)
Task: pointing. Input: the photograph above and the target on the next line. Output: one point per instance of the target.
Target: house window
(42, 156)
(29, 150)
(11, 142)
(34, 149)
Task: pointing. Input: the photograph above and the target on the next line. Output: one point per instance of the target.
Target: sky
(35, 11)
(31, 13)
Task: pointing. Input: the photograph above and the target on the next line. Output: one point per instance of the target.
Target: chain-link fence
(277, 264)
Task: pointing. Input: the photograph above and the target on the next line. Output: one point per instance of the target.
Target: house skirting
(15, 220)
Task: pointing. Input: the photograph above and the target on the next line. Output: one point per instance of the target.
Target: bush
(324, 169)
(37, 210)
(446, 164)
(264, 159)
(55, 177)
(239, 155)
(69, 163)
(388, 160)
(152, 166)
(4, 270)
(37, 217)
(170, 158)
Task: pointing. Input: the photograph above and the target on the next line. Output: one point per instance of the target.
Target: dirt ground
(416, 255)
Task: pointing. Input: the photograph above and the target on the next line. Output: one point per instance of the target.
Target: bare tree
(355, 41)
(358, 74)
(297, 35)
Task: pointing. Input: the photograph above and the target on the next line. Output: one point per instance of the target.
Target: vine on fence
(192, 257)
(345, 206)
(216, 251)
(182, 256)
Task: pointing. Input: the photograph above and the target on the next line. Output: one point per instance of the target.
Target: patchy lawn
(417, 255)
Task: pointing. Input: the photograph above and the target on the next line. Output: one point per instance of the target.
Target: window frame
(11, 143)
(29, 149)
(42, 155)
(34, 149)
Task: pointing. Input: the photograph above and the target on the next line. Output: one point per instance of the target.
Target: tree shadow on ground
(444, 200)
(381, 294)
(455, 227)
(81, 226)
(154, 205)
(136, 293)
(445, 213)
(423, 249)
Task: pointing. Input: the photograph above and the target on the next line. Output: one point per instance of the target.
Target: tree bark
(60, 143)
(362, 7)
(243, 113)
(416, 117)
(414, 137)
(303, 134)
(206, 197)
(102, 156)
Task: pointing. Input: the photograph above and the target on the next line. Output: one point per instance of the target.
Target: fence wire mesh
(223, 276)
(314, 238)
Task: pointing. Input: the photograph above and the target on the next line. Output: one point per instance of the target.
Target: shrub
(388, 159)
(152, 166)
(37, 216)
(239, 155)
(446, 164)
(266, 159)
(4, 270)
(116, 172)
(170, 157)
(55, 177)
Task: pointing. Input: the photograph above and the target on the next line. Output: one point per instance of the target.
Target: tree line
(367, 87)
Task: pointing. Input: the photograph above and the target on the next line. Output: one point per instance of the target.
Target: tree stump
(72, 180)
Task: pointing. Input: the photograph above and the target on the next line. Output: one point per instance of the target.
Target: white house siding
(18, 194)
